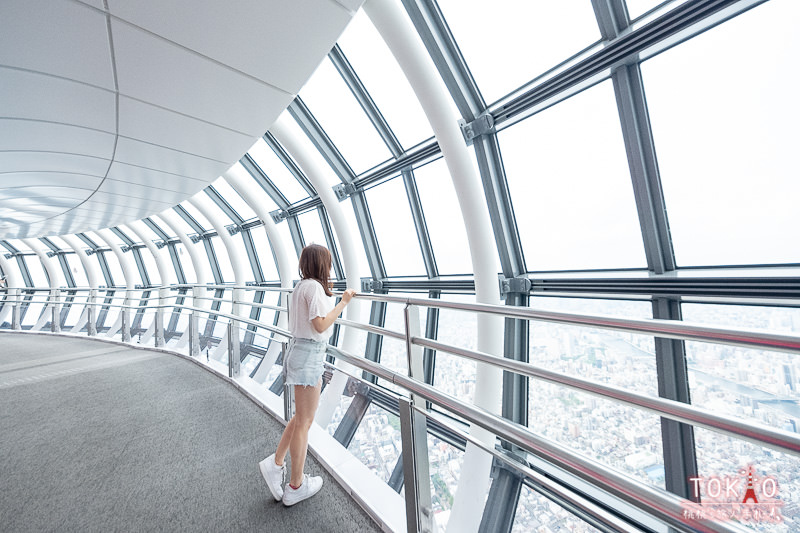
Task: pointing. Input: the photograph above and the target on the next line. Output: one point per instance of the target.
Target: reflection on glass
(570, 185)
(743, 382)
(384, 80)
(340, 115)
(377, 441)
(533, 37)
(724, 115)
(394, 227)
(456, 375)
(443, 216)
(537, 513)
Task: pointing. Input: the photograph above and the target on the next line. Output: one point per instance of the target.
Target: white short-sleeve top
(308, 302)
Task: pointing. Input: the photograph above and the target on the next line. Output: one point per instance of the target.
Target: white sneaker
(309, 487)
(273, 475)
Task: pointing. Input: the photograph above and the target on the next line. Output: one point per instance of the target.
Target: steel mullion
(287, 160)
(176, 263)
(440, 44)
(224, 205)
(321, 141)
(297, 234)
(260, 177)
(252, 256)
(156, 229)
(353, 82)
(189, 219)
(212, 259)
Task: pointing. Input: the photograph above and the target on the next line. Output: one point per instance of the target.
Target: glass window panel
(377, 442)
(724, 457)
(277, 172)
(456, 375)
(232, 197)
(114, 268)
(626, 438)
(443, 217)
(744, 382)
(445, 471)
(223, 260)
(36, 269)
(265, 256)
(384, 80)
(361, 254)
(197, 215)
(394, 227)
(311, 227)
(148, 233)
(623, 359)
(340, 115)
(537, 513)
(185, 261)
(724, 114)
(533, 37)
(77, 270)
(182, 225)
(569, 181)
(151, 267)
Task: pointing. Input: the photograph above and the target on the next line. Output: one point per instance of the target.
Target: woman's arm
(323, 323)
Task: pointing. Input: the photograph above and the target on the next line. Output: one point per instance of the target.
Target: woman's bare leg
(283, 445)
(306, 400)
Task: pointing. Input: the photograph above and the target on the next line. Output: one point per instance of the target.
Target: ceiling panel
(142, 192)
(10, 180)
(148, 65)
(17, 161)
(286, 39)
(18, 135)
(41, 97)
(179, 132)
(154, 178)
(134, 152)
(47, 36)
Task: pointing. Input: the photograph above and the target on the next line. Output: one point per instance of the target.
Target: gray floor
(99, 437)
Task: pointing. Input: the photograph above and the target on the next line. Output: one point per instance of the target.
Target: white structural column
(396, 30)
(56, 280)
(167, 276)
(89, 315)
(200, 264)
(315, 172)
(125, 262)
(244, 185)
(236, 254)
(14, 283)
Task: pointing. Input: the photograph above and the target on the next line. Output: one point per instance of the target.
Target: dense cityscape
(728, 380)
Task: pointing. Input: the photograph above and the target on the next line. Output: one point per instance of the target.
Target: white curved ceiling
(113, 110)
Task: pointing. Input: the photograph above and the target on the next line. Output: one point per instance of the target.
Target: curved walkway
(103, 437)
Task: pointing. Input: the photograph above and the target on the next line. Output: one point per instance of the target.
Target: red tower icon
(750, 493)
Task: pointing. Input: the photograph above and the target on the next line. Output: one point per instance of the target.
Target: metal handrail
(662, 505)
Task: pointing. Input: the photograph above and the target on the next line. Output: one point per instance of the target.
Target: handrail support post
(416, 469)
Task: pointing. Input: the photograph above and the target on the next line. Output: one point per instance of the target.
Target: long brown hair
(315, 263)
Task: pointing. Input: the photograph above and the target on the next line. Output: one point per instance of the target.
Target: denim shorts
(303, 362)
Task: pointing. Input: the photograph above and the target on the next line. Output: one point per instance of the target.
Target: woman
(310, 316)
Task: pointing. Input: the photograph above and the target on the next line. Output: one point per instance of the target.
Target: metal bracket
(196, 238)
(518, 285)
(8, 256)
(344, 190)
(480, 126)
(371, 285)
(279, 215)
(52, 253)
(90, 251)
(233, 229)
(125, 248)
(160, 244)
